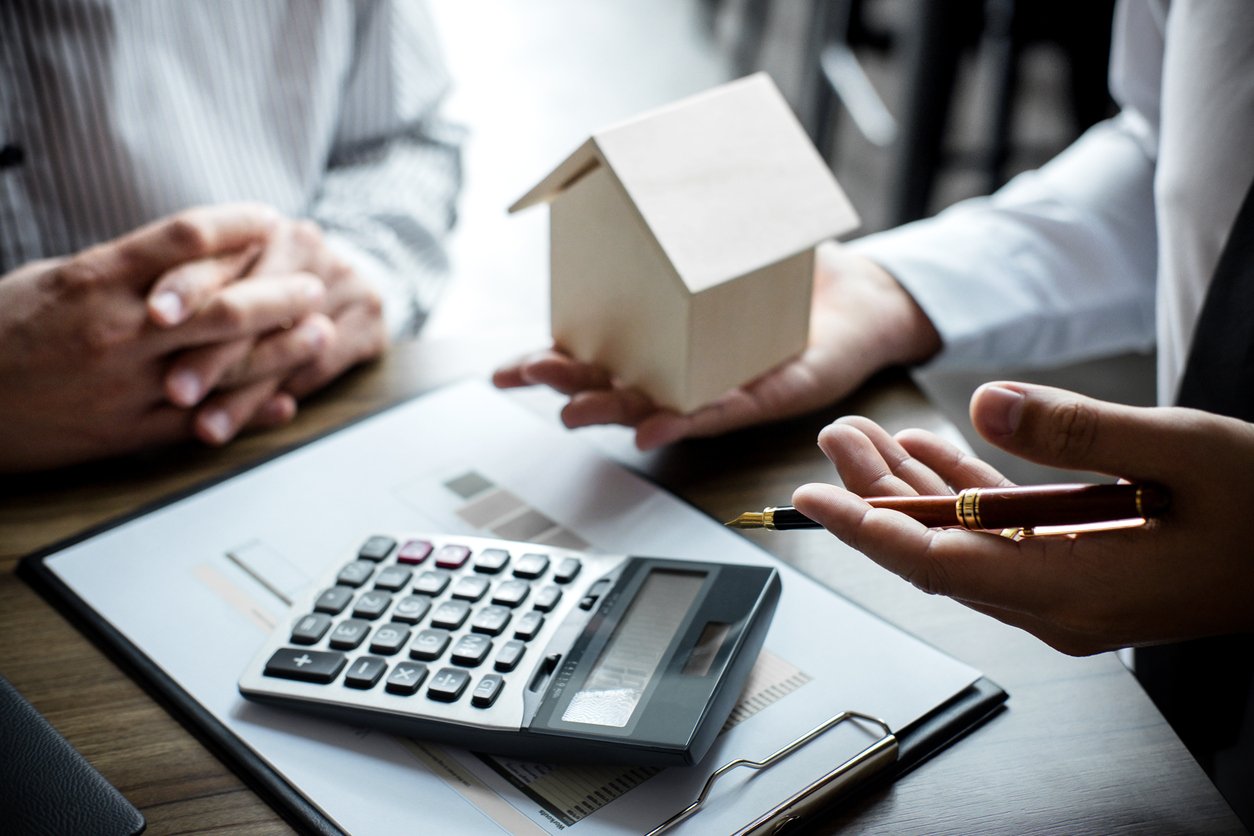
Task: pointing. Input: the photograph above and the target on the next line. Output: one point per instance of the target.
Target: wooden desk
(1079, 748)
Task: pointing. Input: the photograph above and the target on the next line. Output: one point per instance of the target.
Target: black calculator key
(470, 587)
(531, 565)
(486, 692)
(365, 672)
(451, 556)
(414, 552)
(429, 644)
(334, 600)
(377, 548)
(491, 561)
(431, 583)
(311, 628)
(393, 578)
(389, 638)
(411, 609)
(371, 605)
(471, 649)
(450, 615)
(306, 665)
(349, 633)
(448, 684)
(406, 677)
(511, 593)
(509, 657)
(546, 598)
(567, 570)
(491, 620)
(528, 625)
(355, 573)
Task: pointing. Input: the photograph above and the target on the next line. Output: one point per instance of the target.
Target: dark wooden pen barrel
(1067, 505)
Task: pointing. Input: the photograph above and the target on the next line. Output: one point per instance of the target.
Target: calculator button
(306, 665)
(393, 578)
(471, 649)
(448, 684)
(365, 672)
(405, 678)
(372, 605)
(429, 644)
(388, 639)
(531, 565)
(451, 557)
(470, 587)
(486, 692)
(511, 593)
(349, 633)
(431, 583)
(411, 609)
(567, 570)
(491, 561)
(546, 598)
(511, 653)
(528, 625)
(594, 594)
(355, 573)
(311, 628)
(450, 615)
(414, 552)
(491, 620)
(377, 548)
(334, 600)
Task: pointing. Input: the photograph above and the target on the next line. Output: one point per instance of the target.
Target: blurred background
(915, 103)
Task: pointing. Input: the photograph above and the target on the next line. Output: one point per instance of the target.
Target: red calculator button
(415, 551)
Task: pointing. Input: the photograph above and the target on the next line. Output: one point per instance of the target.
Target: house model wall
(682, 242)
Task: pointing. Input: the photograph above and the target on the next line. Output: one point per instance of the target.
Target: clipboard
(909, 746)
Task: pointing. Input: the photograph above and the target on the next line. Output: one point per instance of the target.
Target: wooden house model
(682, 242)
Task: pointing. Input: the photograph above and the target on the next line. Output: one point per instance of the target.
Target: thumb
(1063, 429)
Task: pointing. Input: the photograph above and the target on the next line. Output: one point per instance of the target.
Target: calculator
(521, 649)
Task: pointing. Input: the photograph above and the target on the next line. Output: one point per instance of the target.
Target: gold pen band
(768, 517)
(967, 508)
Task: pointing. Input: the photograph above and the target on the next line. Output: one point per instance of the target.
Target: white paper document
(198, 584)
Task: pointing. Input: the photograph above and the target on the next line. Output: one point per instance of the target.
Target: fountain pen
(1024, 507)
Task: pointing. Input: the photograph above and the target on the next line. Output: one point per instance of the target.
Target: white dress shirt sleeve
(1060, 264)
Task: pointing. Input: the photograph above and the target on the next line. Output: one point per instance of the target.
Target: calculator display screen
(621, 673)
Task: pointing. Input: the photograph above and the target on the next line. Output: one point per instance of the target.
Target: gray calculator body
(521, 649)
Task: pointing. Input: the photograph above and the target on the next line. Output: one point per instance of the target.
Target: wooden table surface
(1078, 749)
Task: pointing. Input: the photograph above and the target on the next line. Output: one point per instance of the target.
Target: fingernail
(169, 306)
(185, 387)
(217, 425)
(1002, 408)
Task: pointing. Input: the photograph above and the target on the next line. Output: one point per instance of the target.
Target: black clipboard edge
(216, 737)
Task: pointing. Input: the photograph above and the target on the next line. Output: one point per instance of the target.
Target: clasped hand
(156, 336)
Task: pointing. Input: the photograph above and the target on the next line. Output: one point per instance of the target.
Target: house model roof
(727, 181)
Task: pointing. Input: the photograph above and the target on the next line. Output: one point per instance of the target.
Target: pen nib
(749, 519)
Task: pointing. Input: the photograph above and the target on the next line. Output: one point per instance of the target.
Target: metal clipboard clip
(810, 799)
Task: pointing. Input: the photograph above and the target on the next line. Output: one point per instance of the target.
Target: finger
(556, 370)
(279, 409)
(885, 468)
(973, 566)
(182, 291)
(222, 416)
(247, 309)
(615, 406)
(358, 335)
(142, 255)
(296, 245)
(957, 467)
(193, 373)
(197, 371)
(280, 353)
(1063, 429)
